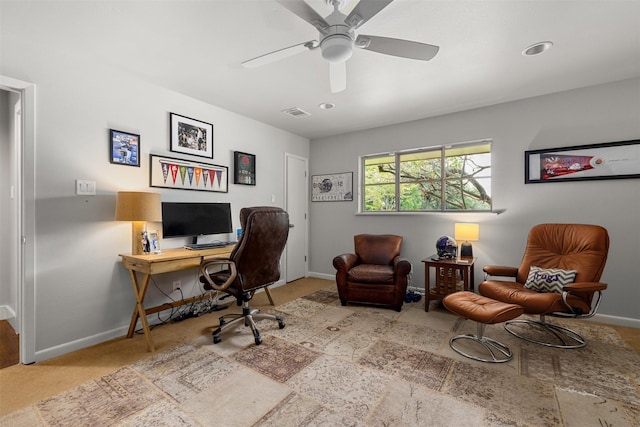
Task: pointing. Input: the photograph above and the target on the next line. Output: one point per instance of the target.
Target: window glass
(455, 178)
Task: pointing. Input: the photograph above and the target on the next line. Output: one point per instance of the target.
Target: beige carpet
(356, 366)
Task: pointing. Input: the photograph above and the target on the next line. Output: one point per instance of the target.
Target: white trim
(6, 312)
(26, 274)
(81, 343)
(606, 319)
(321, 275)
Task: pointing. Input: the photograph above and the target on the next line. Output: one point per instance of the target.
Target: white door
(296, 195)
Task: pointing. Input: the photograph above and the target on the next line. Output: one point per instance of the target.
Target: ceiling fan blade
(397, 47)
(338, 76)
(364, 11)
(306, 12)
(277, 55)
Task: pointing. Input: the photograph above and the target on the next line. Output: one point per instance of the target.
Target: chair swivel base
(248, 317)
(565, 338)
(497, 352)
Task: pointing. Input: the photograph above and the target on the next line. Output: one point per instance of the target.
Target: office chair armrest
(500, 270)
(585, 287)
(345, 262)
(231, 266)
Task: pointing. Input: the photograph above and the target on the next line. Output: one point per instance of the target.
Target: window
(437, 179)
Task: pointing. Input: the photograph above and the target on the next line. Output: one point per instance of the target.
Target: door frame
(26, 193)
(287, 156)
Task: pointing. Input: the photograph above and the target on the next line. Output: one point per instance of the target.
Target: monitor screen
(195, 219)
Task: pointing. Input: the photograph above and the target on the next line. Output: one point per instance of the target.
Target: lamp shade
(138, 206)
(467, 232)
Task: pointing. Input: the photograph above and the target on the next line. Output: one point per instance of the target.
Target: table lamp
(466, 232)
(138, 207)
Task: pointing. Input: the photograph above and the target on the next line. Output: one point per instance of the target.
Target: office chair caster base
(216, 339)
(281, 324)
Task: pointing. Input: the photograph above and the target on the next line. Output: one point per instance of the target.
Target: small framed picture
(244, 168)
(191, 136)
(154, 241)
(124, 148)
(333, 187)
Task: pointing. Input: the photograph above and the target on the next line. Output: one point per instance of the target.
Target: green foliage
(420, 181)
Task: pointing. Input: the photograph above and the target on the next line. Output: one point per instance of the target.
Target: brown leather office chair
(253, 264)
(568, 247)
(375, 274)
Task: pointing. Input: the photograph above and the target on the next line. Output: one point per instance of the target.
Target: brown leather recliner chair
(375, 274)
(253, 264)
(569, 247)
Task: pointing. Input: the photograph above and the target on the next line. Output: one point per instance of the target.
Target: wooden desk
(451, 275)
(147, 265)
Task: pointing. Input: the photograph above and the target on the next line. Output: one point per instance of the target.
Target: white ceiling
(195, 48)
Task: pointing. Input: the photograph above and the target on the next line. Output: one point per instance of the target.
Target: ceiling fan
(338, 38)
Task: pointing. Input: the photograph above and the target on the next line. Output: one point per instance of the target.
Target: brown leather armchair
(569, 247)
(253, 264)
(375, 274)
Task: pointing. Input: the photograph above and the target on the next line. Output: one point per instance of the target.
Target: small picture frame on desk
(154, 242)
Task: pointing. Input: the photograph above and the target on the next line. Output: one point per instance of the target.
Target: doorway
(296, 204)
(17, 287)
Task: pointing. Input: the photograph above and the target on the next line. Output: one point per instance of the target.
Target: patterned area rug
(358, 366)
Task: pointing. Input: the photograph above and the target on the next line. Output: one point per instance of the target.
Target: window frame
(398, 181)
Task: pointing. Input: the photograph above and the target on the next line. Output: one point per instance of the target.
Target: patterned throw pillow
(549, 279)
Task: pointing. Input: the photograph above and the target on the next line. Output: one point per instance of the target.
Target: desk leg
(139, 311)
(266, 291)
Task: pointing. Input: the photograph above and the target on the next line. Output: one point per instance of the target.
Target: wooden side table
(451, 275)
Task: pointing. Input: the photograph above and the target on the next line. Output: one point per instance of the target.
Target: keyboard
(201, 246)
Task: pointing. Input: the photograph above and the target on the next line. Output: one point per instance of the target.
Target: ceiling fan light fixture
(537, 48)
(337, 48)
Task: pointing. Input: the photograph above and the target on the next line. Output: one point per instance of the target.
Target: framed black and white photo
(191, 136)
(612, 160)
(334, 187)
(244, 168)
(124, 148)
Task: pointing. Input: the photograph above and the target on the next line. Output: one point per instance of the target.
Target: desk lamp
(467, 233)
(138, 207)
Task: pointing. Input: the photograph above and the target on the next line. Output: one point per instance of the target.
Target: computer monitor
(186, 219)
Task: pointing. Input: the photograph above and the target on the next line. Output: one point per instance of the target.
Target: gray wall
(587, 116)
(83, 295)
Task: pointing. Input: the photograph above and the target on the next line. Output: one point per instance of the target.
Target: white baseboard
(606, 319)
(79, 344)
(321, 275)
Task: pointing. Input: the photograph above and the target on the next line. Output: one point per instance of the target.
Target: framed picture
(612, 160)
(191, 136)
(169, 172)
(244, 168)
(124, 148)
(335, 187)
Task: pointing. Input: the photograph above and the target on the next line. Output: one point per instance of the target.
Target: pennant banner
(169, 172)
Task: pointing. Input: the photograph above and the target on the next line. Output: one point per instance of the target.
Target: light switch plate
(85, 188)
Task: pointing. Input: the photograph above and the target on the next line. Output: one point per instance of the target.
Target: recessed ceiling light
(326, 105)
(537, 48)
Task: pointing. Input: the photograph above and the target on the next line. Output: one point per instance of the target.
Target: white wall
(592, 115)
(83, 295)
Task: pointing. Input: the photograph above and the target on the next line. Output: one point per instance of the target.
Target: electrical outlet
(176, 285)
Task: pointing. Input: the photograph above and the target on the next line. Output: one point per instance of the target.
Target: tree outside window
(454, 178)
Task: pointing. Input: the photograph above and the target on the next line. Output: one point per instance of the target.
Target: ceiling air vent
(295, 112)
